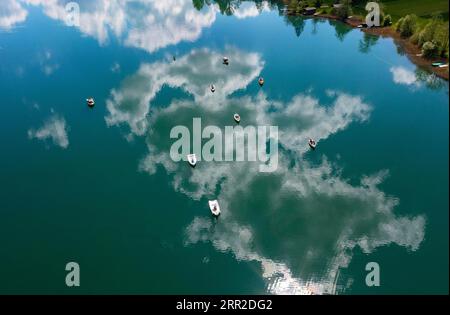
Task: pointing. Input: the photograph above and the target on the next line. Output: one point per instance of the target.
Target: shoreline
(412, 51)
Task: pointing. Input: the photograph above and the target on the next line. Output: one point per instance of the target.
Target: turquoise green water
(97, 186)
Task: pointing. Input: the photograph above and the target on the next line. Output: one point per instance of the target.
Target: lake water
(97, 185)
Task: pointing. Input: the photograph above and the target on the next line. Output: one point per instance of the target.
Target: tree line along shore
(423, 33)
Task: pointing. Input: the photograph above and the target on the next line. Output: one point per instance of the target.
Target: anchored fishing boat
(214, 206)
(261, 81)
(312, 143)
(237, 118)
(90, 101)
(213, 88)
(192, 159)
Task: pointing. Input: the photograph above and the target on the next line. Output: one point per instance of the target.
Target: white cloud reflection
(309, 218)
(148, 25)
(11, 13)
(308, 222)
(194, 73)
(144, 24)
(250, 9)
(46, 62)
(402, 75)
(54, 129)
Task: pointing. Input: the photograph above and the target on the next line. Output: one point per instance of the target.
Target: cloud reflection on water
(302, 222)
(149, 25)
(193, 73)
(11, 14)
(145, 24)
(55, 129)
(402, 75)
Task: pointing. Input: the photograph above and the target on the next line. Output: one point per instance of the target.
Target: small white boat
(237, 118)
(192, 159)
(213, 88)
(261, 81)
(444, 65)
(214, 206)
(225, 61)
(90, 101)
(312, 143)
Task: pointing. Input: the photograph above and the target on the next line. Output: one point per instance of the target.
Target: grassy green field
(421, 8)
(424, 9)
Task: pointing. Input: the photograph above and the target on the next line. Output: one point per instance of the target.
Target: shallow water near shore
(97, 186)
